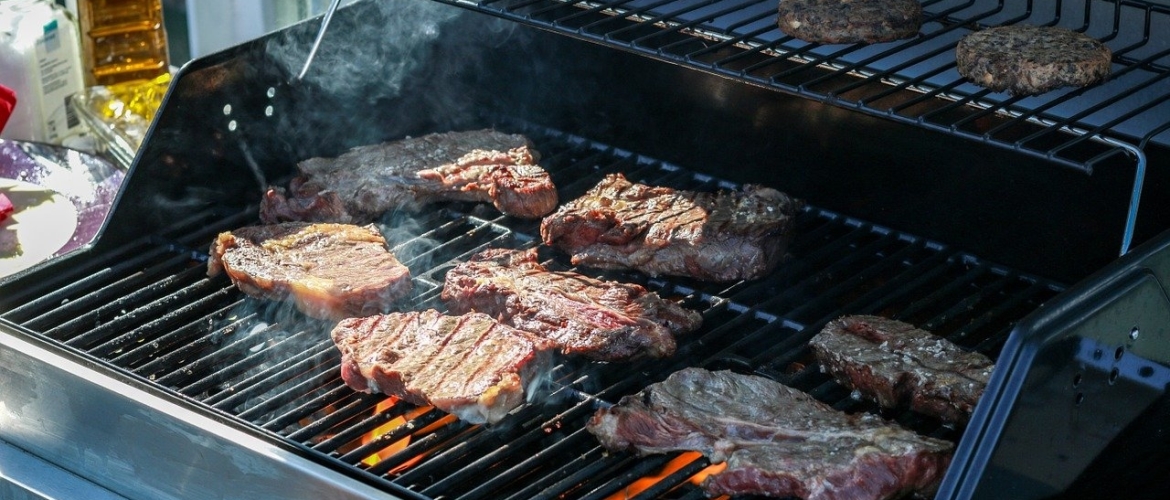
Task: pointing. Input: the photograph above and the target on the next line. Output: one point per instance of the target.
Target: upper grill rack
(912, 81)
(148, 309)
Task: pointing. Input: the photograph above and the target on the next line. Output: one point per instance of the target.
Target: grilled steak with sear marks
(330, 271)
(470, 366)
(368, 181)
(775, 440)
(901, 366)
(602, 320)
(720, 236)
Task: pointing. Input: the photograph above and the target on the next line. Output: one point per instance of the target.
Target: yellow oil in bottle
(122, 40)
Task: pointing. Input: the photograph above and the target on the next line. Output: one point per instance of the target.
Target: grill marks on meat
(368, 181)
(329, 271)
(600, 320)
(712, 236)
(470, 365)
(775, 440)
(901, 366)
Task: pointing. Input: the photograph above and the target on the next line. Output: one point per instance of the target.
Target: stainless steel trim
(139, 445)
(25, 476)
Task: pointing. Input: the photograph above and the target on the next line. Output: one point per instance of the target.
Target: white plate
(44, 221)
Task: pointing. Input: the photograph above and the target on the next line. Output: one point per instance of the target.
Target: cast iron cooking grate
(149, 309)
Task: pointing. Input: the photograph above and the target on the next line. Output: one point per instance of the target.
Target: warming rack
(911, 81)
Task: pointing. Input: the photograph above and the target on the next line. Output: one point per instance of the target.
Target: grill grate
(912, 81)
(149, 309)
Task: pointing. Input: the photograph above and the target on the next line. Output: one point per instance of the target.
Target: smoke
(368, 55)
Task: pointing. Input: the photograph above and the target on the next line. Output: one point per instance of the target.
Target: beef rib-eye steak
(469, 365)
(713, 236)
(775, 440)
(901, 366)
(329, 271)
(368, 181)
(601, 320)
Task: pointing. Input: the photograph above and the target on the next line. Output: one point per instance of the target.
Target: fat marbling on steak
(329, 271)
(368, 181)
(712, 236)
(775, 440)
(602, 320)
(469, 365)
(901, 366)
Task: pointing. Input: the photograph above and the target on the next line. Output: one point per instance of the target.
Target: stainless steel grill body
(197, 391)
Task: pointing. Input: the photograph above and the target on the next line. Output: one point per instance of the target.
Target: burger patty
(1029, 60)
(834, 21)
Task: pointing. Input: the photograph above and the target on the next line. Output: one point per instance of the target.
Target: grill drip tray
(149, 312)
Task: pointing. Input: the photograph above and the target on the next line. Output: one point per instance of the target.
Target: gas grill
(993, 221)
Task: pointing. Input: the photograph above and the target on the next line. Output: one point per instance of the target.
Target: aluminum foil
(90, 182)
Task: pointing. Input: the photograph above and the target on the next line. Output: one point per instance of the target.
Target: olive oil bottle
(122, 40)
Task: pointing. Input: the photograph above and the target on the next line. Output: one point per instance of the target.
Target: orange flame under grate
(401, 444)
(677, 463)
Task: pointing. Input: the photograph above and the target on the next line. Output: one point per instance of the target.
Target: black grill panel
(149, 309)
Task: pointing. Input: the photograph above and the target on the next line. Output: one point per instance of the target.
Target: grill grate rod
(188, 349)
(335, 396)
(348, 406)
(270, 405)
(554, 484)
(281, 370)
(246, 362)
(674, 479)
(805, 67)
(426, 419)
(139, 335)
(421, 447)
(627, 475)
(55, 289)
(152, 300)
(497, 453)
(281, 375)
(527, 420)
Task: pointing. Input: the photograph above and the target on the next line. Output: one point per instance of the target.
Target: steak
(329, 271)
(601, 320)
(775, 440)
(901, 366)
(470, 366)
(368, 181)
(712, 236)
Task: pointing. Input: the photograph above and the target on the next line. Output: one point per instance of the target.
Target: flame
(394, 423)
(401, 444)
(668, 469)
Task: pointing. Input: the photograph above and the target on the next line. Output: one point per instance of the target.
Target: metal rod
(317, 41)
